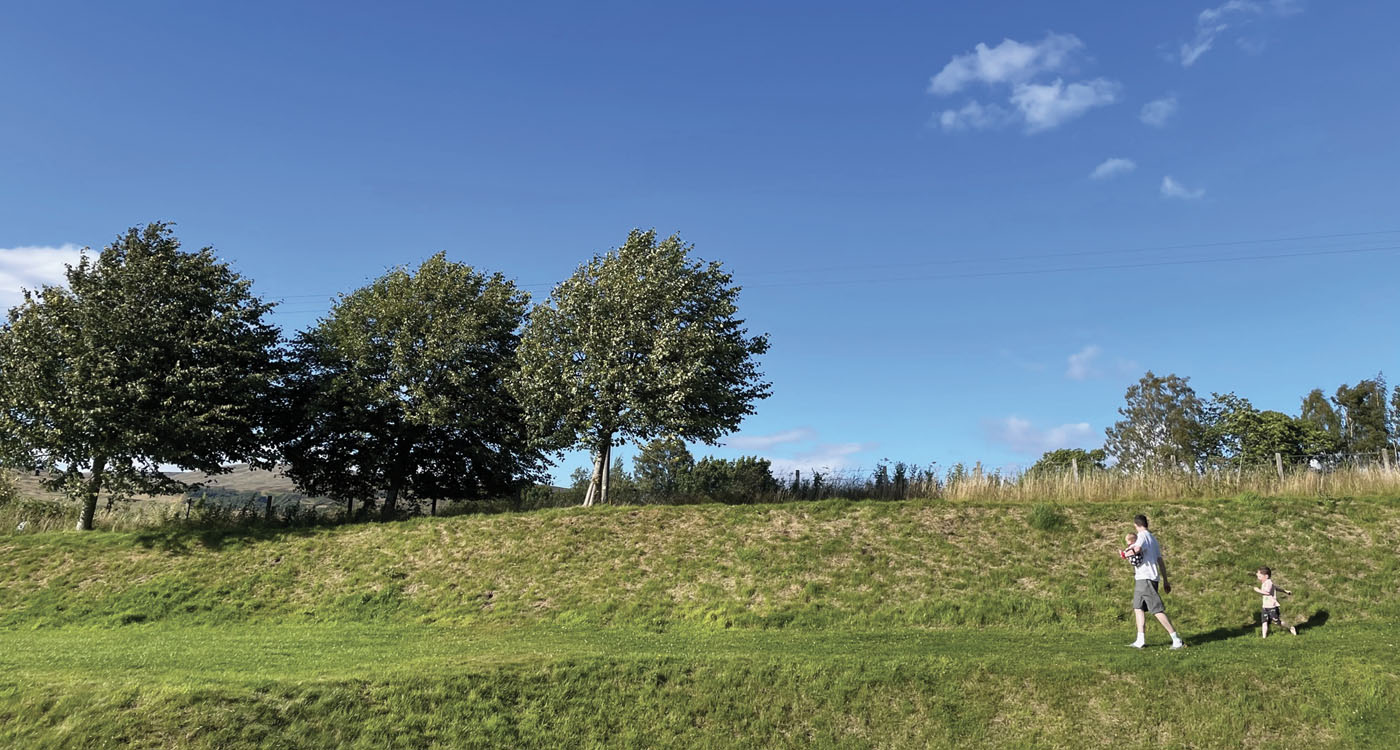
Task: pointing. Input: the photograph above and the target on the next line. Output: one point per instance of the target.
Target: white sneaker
(1178, 644)
(1137, 644)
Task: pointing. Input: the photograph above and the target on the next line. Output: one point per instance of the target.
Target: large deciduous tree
(150, 356)
(1241, 434)
(1161, 426)
(1363, 412)
(399, 391)
(640, 342)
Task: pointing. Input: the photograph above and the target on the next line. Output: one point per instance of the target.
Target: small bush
(1047, 517)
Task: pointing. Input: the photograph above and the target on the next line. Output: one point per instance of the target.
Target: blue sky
(966, 227)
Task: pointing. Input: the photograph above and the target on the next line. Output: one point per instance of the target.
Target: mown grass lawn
(328, 685)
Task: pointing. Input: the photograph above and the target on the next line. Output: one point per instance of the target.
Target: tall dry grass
(1105, 486)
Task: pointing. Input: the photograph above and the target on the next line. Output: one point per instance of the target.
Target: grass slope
(831, 625)
(830, 564)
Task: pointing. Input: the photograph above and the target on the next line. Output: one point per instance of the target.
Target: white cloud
(1112, 168)
(1173, 189)
(1081, 363)
(1013, 67)
(1045, 106)
(825, 457)
(1212, 22)
(1025, 438)
(767, 442)
(1008, 62)
(31, 268)
(1158, 111)
(974, 116)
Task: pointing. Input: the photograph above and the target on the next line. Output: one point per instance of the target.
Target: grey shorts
(1145, 597)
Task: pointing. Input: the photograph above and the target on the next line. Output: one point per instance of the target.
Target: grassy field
(833, 624)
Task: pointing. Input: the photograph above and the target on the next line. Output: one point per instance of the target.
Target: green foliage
(1161, 426)
(150, 356)
(9, 492)
(1317, 411)
(400, 391)
(1047, 517)
(1364, 417)
(661, 466)
(639, 343)
(1057, 462)
(1241, 434)
(747, 479)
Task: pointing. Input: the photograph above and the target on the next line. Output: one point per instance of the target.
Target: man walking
(1150, 570)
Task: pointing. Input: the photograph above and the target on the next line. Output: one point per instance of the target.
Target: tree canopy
(1060, 461)
(1161, 425)
(150, 356)
(400, 391)
(640, 342)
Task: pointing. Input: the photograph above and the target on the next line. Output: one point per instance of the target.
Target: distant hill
(241, 478)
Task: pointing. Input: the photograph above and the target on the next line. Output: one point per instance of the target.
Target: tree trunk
(391, 498)
(593, 481)
(607, 470)
(94, 485)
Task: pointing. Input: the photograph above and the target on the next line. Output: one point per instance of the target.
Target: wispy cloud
(1046, 106)
(1013, 66)
(823, 457)
(1025, 438)
(1081, 364)
(1008, 62)
(974, 116)
(1158, 111)
(1173, 189)
(31, 268)
(1112, 168)
(1212, 22)
(768, 442)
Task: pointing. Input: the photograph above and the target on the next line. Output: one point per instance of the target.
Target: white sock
(1176, 638)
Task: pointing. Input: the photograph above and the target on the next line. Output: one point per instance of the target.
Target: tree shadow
(1316, 620)
(180, 540)
(1221, 634)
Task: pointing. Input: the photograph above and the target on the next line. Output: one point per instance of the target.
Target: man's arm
(1162, 569)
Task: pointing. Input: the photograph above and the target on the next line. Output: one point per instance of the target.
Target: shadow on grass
(1221, 634)
(1316, 620)
(179, 540)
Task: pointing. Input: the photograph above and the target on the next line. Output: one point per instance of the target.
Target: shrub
(1047, 517)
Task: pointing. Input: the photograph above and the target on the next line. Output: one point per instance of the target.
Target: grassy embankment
(869, 624)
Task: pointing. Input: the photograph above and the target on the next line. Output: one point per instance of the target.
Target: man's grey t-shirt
(1146, 570)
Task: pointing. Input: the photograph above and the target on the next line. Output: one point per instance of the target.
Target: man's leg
(1141, 616)
(1265, 632)
(1167, 623)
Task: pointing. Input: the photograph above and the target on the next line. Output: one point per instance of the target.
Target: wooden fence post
(269, 508)
(1385, 459)
(1074, 469)
(1278, 464)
